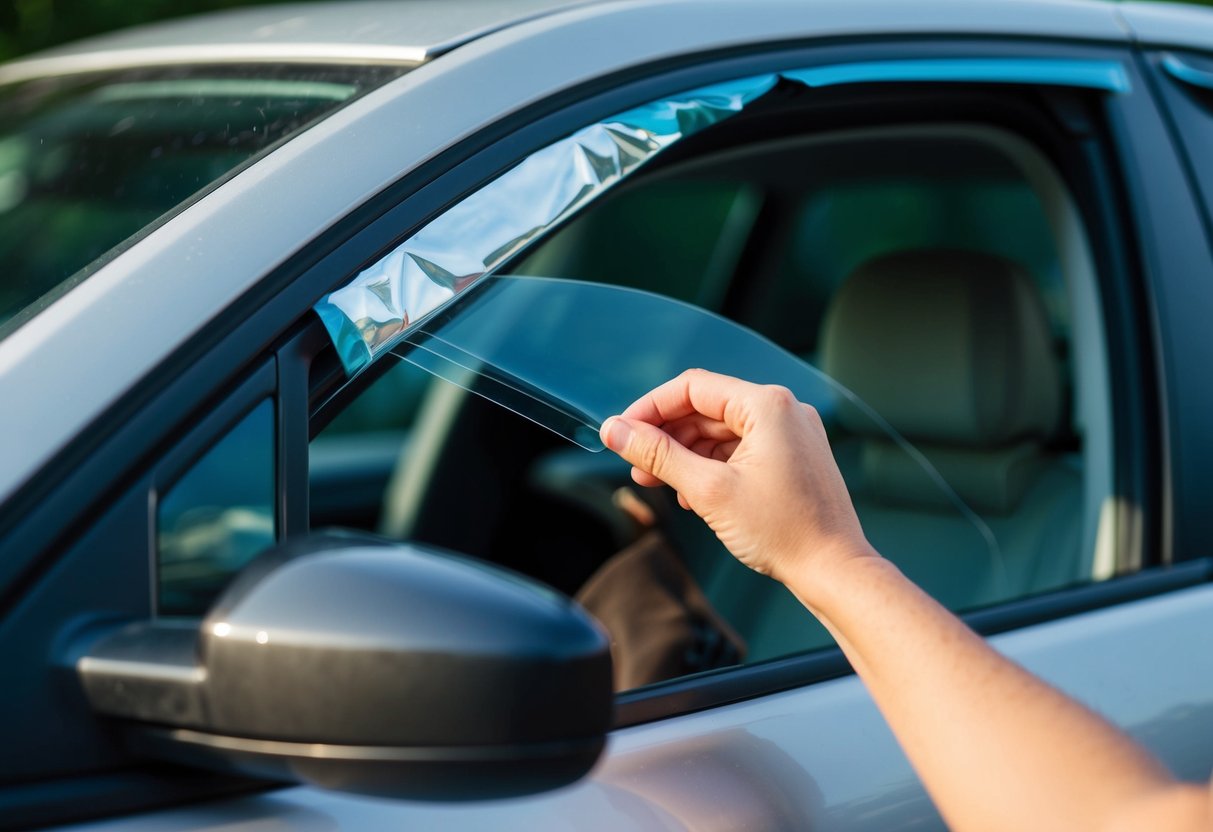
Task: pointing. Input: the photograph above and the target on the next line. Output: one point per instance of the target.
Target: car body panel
(815, 757)
(1169, 24)
(1175, 308)
(364, 30)
(222, 245)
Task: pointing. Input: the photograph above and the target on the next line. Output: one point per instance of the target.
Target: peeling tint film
(368, 316)
(615, 344)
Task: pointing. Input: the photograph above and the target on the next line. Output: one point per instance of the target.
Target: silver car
(309, 316)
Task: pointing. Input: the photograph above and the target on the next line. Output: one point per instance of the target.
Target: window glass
(917, 266)
(87, 161)
(213, 520)
(833, 234)
(680, 239)
(352, 459)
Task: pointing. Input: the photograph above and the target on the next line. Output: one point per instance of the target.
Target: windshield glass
(89, 161)
(568, 354)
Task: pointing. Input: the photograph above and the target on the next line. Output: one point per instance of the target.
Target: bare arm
(996, 747)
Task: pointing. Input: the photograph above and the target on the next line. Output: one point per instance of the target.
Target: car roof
(413, 31)
(1168, 24)
(362, 31)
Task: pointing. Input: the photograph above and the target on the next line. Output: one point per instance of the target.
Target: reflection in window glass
(217, 516)
(680, 239)
(833, 233)
(89, 160)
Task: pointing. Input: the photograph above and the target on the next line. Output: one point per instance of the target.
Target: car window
(217, 516)
(940, 272)
(684, 240)
(87, 161)
(921, 217)
(352, 460)
(832, 235)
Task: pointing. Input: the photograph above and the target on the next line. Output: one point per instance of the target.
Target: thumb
(655, 452)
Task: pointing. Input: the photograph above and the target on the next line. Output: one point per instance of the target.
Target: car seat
(953, 350)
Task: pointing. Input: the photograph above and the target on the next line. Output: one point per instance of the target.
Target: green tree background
(29, 25)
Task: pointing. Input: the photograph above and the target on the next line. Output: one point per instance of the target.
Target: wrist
(838, 575)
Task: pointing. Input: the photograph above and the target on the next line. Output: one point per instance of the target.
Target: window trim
(210, 430)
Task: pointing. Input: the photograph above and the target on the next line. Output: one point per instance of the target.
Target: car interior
(931, 264)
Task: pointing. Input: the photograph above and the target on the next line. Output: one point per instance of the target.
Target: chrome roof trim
(348, 32)
(241, 53)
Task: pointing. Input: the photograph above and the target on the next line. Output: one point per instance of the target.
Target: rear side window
(89, 161)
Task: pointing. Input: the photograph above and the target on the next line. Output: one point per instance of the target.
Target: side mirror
(369, 667)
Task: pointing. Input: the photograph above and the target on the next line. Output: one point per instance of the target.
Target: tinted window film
(680, 239)
(88, 161)
(220, 514)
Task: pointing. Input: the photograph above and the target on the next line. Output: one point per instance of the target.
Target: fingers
(711, 449)
(695, 391)
(657, 454)
(706, 437)
(708, 448)
(687, 430)
(645, 478)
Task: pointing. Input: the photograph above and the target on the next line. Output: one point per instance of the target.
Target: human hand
(756, 465)
(750, 460)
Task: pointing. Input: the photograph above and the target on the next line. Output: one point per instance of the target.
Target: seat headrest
(951, 347)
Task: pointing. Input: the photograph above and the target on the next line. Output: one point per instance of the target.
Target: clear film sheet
(568, 354)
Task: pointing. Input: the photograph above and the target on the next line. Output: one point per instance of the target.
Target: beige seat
(953, 350)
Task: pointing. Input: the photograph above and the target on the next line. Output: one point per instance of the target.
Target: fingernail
(615, 434)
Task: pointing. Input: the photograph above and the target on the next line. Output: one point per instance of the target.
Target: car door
(789, 741)
(784, 742)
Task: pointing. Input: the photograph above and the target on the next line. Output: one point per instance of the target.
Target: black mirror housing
(372, 667)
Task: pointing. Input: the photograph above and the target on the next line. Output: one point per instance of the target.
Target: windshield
(89, 161)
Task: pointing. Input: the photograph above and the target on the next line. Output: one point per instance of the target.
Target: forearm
(996, 747)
